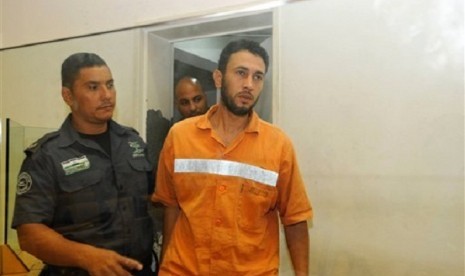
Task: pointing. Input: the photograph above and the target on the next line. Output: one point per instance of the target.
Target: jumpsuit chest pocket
(256, 202)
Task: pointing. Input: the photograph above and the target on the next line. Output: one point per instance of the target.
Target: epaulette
(37, 144)
(130, 129)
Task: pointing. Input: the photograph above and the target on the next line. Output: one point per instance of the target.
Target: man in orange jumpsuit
(227, 178)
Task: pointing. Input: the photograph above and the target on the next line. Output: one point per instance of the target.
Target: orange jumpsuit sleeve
(293, 203)
(164, 189)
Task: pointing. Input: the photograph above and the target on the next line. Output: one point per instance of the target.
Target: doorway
(194, 47)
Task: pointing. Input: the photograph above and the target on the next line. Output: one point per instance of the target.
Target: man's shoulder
(271, 132)
(41, 142)
(186, 124)
(120, 129)
(131, 130)
(271, 128)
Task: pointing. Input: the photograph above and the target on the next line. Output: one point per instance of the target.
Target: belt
(51, 270)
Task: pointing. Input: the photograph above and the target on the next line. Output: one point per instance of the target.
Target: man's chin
(105, 117)
(241, 112)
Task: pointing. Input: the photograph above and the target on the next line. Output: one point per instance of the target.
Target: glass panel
(18, 138)
(14, 152)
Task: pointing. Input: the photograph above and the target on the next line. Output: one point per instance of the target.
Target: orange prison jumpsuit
(230, 198)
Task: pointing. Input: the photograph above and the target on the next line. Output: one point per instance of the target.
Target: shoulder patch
(24, 183)
(37, 144)
(131, 129)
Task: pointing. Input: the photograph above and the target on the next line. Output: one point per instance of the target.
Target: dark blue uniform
(73, 186)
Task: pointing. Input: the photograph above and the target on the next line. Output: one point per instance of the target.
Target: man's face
(190, 100)
(92, 97)
(242, 82)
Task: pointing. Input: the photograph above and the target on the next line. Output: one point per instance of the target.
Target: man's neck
(89, 128)
(228, 125)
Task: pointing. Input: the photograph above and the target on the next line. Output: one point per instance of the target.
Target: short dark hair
(74, 63)
(239, 45)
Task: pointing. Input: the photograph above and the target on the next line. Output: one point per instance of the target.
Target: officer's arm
(170, 217)
(298, 243)
(52, 248)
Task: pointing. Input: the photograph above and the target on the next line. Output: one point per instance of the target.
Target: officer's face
(92, 97)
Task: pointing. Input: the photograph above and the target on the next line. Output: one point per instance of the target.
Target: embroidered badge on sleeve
(24, 183)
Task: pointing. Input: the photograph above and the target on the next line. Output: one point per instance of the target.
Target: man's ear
(67, 95)
(217, 77)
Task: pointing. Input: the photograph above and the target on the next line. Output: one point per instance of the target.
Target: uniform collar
(69, 135)
(204, 120)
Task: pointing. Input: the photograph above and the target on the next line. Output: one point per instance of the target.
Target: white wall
(371, 93)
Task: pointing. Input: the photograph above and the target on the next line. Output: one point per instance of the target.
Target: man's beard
(231, 105)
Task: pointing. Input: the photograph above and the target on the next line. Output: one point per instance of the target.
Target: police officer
(82, 195)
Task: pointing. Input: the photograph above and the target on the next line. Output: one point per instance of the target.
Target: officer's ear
(67, 95)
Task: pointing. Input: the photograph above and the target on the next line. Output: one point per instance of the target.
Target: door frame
(157, 53)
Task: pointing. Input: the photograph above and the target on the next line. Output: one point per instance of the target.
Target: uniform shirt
(230, 198)
(73, 186)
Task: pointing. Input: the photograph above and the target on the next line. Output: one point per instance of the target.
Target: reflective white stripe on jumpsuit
(227, 168)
